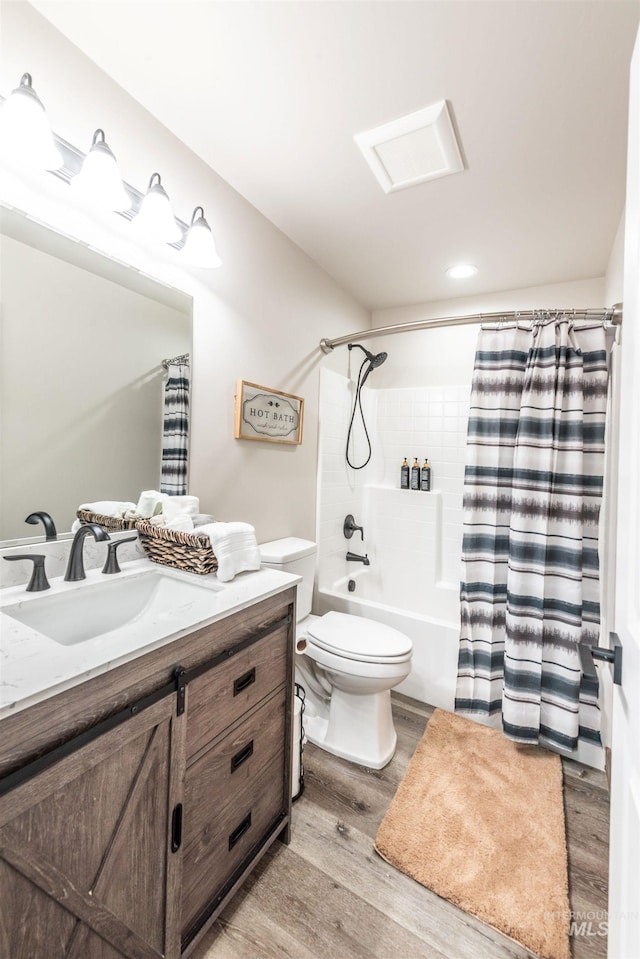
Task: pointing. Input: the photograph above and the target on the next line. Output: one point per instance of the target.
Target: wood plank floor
(329, 895)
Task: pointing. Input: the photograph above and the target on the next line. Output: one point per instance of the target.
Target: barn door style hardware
(614, 656)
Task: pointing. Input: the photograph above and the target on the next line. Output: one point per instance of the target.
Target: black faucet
(40, 516)
(354, 558)
(75, 566)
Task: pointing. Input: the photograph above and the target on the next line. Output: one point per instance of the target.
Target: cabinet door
(86, 864)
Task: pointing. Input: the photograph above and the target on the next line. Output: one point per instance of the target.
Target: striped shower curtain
(175, 429)
(533, 487)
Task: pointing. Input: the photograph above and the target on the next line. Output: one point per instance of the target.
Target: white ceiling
(270, 94)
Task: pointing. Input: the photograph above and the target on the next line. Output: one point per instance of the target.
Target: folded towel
(235, 547)
(149, 504)
(108, 508)
(201, 519)
(173, 506)
(157, 520)
(181, 522)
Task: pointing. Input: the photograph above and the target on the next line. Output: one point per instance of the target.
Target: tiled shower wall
(424, 422)
(429, 422)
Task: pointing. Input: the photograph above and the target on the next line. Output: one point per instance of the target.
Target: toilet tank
(298, 556)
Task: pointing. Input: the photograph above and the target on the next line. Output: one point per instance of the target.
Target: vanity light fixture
(25, 133)
(461, 272)
(99, 181)
(156, 219)
(199, 246)
(27, 139)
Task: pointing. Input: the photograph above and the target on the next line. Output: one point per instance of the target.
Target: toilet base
(358, 728)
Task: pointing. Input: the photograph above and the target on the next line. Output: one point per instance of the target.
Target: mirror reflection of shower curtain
(533, 488)
(175, 428)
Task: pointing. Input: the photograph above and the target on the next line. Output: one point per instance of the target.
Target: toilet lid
(358, 638)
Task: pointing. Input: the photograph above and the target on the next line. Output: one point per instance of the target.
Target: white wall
(614, 278)
(260, 317)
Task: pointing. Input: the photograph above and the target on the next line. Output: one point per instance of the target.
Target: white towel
(149, 504)
(181, 522)
(174, 506)
(108, 507)
(201, 519)
(235, 547)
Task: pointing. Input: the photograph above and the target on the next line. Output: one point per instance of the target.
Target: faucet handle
(350, 526)
(111, 565)
(38, 579)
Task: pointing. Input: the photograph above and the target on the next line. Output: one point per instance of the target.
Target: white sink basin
(96, 609)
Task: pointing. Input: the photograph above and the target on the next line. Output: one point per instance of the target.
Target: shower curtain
(533, 488)
(175, 428)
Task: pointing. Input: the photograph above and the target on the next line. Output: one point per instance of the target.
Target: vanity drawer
(226, 692)
(228, 837)
(220, 773)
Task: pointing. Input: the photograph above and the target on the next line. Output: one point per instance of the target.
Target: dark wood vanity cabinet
(128, 835)
(85, 870)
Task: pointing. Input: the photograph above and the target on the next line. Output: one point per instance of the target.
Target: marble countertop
(34, 666)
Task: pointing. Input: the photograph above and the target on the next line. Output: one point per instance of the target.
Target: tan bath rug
(480, 821)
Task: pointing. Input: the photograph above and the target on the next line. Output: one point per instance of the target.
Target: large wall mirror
(81, 375)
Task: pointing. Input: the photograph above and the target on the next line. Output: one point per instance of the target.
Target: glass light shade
(25, 133)
(155, 218)
(199, 247)
(99, 182)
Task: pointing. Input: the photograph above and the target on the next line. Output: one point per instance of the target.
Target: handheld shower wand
(374, 361)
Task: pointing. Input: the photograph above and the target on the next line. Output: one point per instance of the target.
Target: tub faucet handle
(350, 526)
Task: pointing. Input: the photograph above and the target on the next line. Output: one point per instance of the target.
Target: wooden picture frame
(267, 415)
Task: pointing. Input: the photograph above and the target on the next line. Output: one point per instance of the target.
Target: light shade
(155, 218)
(25, 133)
(200, 248)
(461, 272)
(99, 182)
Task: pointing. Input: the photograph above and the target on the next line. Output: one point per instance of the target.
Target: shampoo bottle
(415, 474)
(425, 476)
(404, 475)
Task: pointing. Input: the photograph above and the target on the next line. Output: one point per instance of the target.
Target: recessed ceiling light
(461, 272)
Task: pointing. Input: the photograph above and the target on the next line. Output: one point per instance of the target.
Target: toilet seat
(359, 639)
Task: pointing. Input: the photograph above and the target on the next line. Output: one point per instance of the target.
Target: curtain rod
(612, 315)
(183, 359)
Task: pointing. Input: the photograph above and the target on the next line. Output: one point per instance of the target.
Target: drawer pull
(239, 831)
(243, 682)
(241, 756)
(176, 828)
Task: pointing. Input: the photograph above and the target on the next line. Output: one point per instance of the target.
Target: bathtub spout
(355, 558)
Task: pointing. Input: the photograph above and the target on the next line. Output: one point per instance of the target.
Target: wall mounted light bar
(26, 139)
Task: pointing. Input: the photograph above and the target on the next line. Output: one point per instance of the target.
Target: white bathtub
(433, 628)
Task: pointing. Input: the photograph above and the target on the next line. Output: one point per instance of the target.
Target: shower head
(375, 360)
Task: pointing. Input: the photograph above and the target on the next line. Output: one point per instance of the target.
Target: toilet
(347, 665)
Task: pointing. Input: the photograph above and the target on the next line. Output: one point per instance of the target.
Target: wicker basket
(107, 522)
(190, 552)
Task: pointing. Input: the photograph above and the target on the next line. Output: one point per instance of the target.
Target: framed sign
(268, 415)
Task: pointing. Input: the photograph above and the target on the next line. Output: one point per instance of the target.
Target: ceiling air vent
(412, 149)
